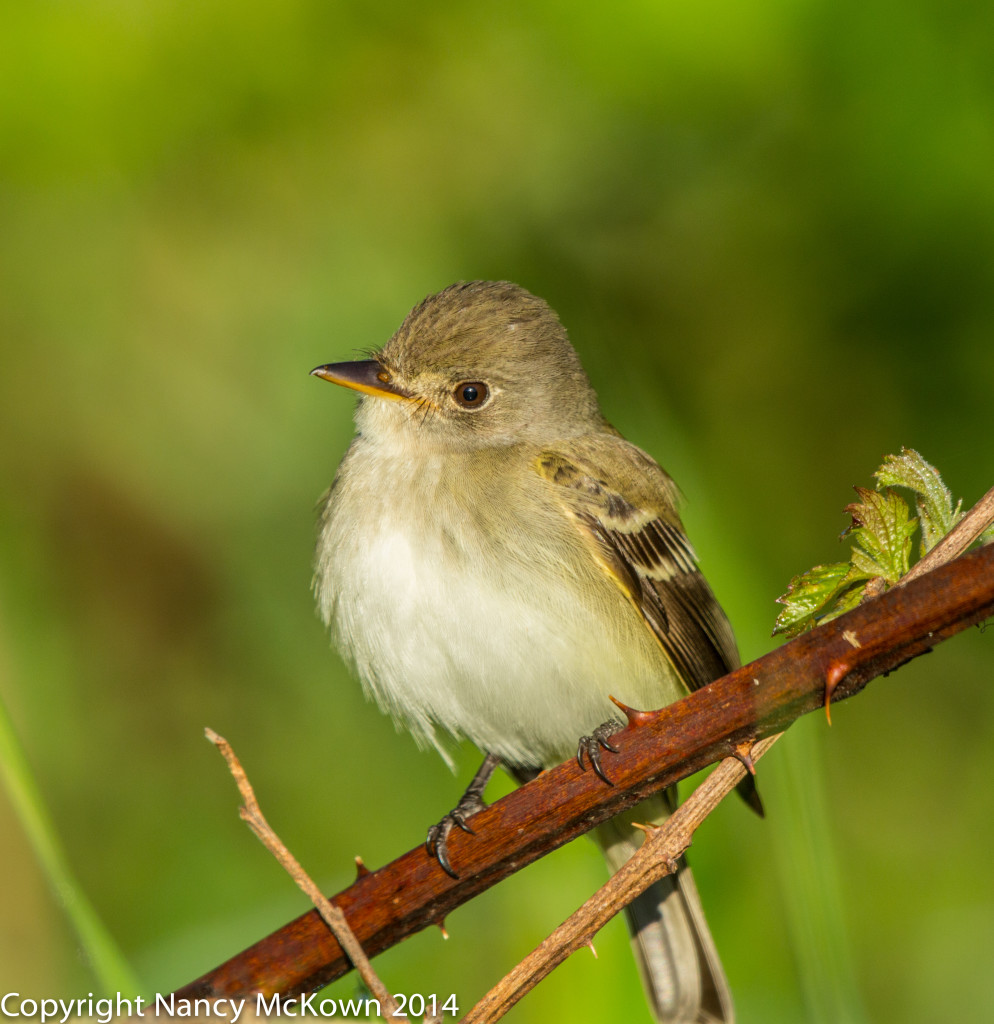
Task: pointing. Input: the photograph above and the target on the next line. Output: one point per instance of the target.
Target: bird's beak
(367, 375)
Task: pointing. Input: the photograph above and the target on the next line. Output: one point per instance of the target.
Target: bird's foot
(469, 804)
(590, 747)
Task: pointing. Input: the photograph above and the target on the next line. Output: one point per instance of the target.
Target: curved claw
(591, 746)
(437, 842)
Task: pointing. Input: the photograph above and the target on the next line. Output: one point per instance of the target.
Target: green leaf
(882, 528)
(933, 501)
(881, 531)
(847, 600)
(807, 595)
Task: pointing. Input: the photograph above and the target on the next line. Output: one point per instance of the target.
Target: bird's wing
(627, 514)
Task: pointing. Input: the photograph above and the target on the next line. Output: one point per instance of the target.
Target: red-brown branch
(657, 749)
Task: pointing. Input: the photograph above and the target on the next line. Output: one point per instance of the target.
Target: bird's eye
(471, 394)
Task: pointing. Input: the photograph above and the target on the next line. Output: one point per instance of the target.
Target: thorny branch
(657, 749)
(663, 846)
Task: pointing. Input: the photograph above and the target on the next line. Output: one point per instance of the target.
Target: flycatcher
(494, 560)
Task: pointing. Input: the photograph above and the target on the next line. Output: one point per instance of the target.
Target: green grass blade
(105, 958)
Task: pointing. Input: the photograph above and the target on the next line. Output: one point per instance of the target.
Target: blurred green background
(769, 228)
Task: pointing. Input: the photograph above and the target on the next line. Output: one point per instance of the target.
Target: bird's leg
(591, 746)
(469, 803)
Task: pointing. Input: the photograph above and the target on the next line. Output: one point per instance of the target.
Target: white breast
(452, 637)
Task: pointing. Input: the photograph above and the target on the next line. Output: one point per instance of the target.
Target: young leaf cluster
(882, 529)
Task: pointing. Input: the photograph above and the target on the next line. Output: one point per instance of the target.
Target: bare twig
(251, 813)
(655, 859)
(959, 538)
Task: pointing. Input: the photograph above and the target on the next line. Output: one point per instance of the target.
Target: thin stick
(959, 538)
(251, 813)
(655, 858)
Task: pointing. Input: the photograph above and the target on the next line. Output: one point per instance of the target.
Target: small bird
(494, 560)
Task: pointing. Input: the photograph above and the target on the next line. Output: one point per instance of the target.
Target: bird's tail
(676, 956)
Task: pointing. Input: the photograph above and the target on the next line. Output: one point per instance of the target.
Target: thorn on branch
(837, 671)
(742, 752)
(634, 716)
